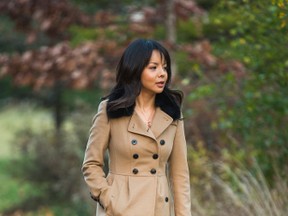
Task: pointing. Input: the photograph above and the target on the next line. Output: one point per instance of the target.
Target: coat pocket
(115, 183)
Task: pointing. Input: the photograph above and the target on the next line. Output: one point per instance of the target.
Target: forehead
(157, 57)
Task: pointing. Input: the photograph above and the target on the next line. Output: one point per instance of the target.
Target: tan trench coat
(137, 183)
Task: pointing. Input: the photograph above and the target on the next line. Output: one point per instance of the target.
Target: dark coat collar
(163, 100)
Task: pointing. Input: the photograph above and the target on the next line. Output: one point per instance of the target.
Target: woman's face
(154, 75)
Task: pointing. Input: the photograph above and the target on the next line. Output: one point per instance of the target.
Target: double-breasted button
(153, 171)
(133, 141)
(162, 142)
(155, 156)
(166, 199)
(135, 171)
(135, 156)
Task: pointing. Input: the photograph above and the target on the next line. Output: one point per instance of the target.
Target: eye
(165, 68)
(152, 68)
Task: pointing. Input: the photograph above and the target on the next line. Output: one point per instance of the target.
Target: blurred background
(57, 58)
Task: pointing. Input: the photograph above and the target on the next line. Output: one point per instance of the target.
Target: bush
(52, 163)
(246, 110)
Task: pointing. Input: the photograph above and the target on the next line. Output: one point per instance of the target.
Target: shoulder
(101, 112)
(102, 105)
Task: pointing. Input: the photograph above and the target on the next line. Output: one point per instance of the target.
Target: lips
(160, 84)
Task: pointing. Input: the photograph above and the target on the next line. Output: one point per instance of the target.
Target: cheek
(148, 78)
(147, 82)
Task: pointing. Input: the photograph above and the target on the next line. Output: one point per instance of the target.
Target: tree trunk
(171, 36)
(58, 108)
(170, 22)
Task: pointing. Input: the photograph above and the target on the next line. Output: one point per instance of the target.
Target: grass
(240, 192)
(254, 195)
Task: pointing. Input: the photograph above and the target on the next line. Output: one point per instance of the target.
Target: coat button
(166, 199)
(162, 142)
(135, 171)
(134, 142)
(155, 156)
(135, 156)
(153, 171)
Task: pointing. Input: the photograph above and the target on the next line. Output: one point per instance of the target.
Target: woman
(140, 124)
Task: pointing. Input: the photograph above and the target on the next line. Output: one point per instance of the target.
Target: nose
(162, 72)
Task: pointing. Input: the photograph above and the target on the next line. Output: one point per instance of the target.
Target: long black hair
(121, 100)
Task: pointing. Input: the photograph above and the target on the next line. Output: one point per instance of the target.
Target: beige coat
(137, 183)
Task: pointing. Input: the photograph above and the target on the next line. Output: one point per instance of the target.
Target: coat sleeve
(179, 173)
(94, 156)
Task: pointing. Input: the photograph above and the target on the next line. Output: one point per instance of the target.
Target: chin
(159, 91)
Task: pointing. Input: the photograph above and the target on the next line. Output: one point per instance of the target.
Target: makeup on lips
(160, 84)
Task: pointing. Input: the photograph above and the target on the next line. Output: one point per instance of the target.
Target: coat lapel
(160, 122)
(136, 125)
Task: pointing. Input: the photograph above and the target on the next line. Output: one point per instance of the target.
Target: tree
(60, 65)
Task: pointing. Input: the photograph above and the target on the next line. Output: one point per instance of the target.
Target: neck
(145, 101)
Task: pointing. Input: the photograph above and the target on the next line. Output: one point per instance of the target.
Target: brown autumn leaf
(77, 67)
(52, 17)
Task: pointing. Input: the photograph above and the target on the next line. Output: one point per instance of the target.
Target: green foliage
(184, 66)
(10, 41)
(8, 90)
(201, 92)
(13, 40)
(221, 25)
(52, 163)
(12, 190)
(49, 165)
(160, 32)
(252, 32)
(206, 4)
(27, 130)
(187, 31)
(82, 34)
(75, 99)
